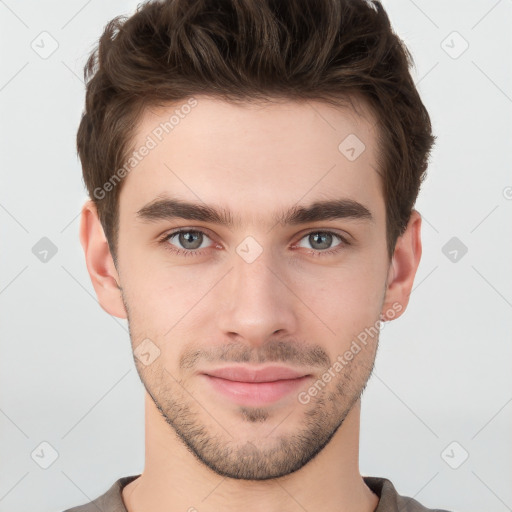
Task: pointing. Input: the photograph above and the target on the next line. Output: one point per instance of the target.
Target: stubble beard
(266, 457)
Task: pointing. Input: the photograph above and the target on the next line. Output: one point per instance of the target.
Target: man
(252, 167)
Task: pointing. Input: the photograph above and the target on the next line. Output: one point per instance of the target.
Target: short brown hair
(250, 50)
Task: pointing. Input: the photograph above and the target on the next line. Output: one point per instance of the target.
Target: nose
(257, 301)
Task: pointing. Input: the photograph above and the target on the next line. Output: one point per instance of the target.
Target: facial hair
(193, 421)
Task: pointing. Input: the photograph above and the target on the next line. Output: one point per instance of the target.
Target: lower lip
(255, 393)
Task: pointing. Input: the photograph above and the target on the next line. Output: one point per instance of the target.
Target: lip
(255, 387)
(246, 374)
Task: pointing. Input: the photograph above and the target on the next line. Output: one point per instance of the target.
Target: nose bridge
(261, 277)
(257, 302)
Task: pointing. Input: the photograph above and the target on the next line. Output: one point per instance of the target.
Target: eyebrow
(171, 208)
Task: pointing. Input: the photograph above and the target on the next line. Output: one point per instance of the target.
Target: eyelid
(343, 235)
(170, 234)
(344, 240)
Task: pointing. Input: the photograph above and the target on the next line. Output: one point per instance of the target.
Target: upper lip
(246, 374)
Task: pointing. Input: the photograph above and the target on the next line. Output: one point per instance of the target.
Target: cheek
(348, 298)
(167, 303)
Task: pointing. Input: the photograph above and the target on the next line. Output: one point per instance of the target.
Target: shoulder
(391, 501)
(110, 501)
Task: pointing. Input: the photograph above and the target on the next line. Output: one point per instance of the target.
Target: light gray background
(443, 369)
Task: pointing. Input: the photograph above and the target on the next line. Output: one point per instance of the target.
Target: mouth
(255, 386)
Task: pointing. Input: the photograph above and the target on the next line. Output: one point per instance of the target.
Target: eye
(321, 242)
(191, 241)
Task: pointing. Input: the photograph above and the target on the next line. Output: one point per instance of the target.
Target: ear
(100, 263)
(402, 269)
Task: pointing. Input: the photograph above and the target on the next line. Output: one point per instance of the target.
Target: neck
(173, 479)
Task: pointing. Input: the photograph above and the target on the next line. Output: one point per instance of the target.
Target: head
(296, 130)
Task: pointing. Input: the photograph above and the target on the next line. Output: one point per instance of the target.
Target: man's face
(257, 293)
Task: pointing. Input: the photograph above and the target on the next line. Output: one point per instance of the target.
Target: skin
(288, 305)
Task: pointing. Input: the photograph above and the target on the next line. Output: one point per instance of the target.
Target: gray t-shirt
(389, 499)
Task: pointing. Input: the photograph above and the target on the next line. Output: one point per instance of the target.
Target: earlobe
(100, 265)
(402, 269)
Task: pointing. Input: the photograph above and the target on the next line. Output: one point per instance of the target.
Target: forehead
(254, 155)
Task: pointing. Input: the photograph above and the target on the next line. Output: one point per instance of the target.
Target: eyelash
(198, 252)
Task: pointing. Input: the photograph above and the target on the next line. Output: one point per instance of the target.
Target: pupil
(325, 236)
(189, 237)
